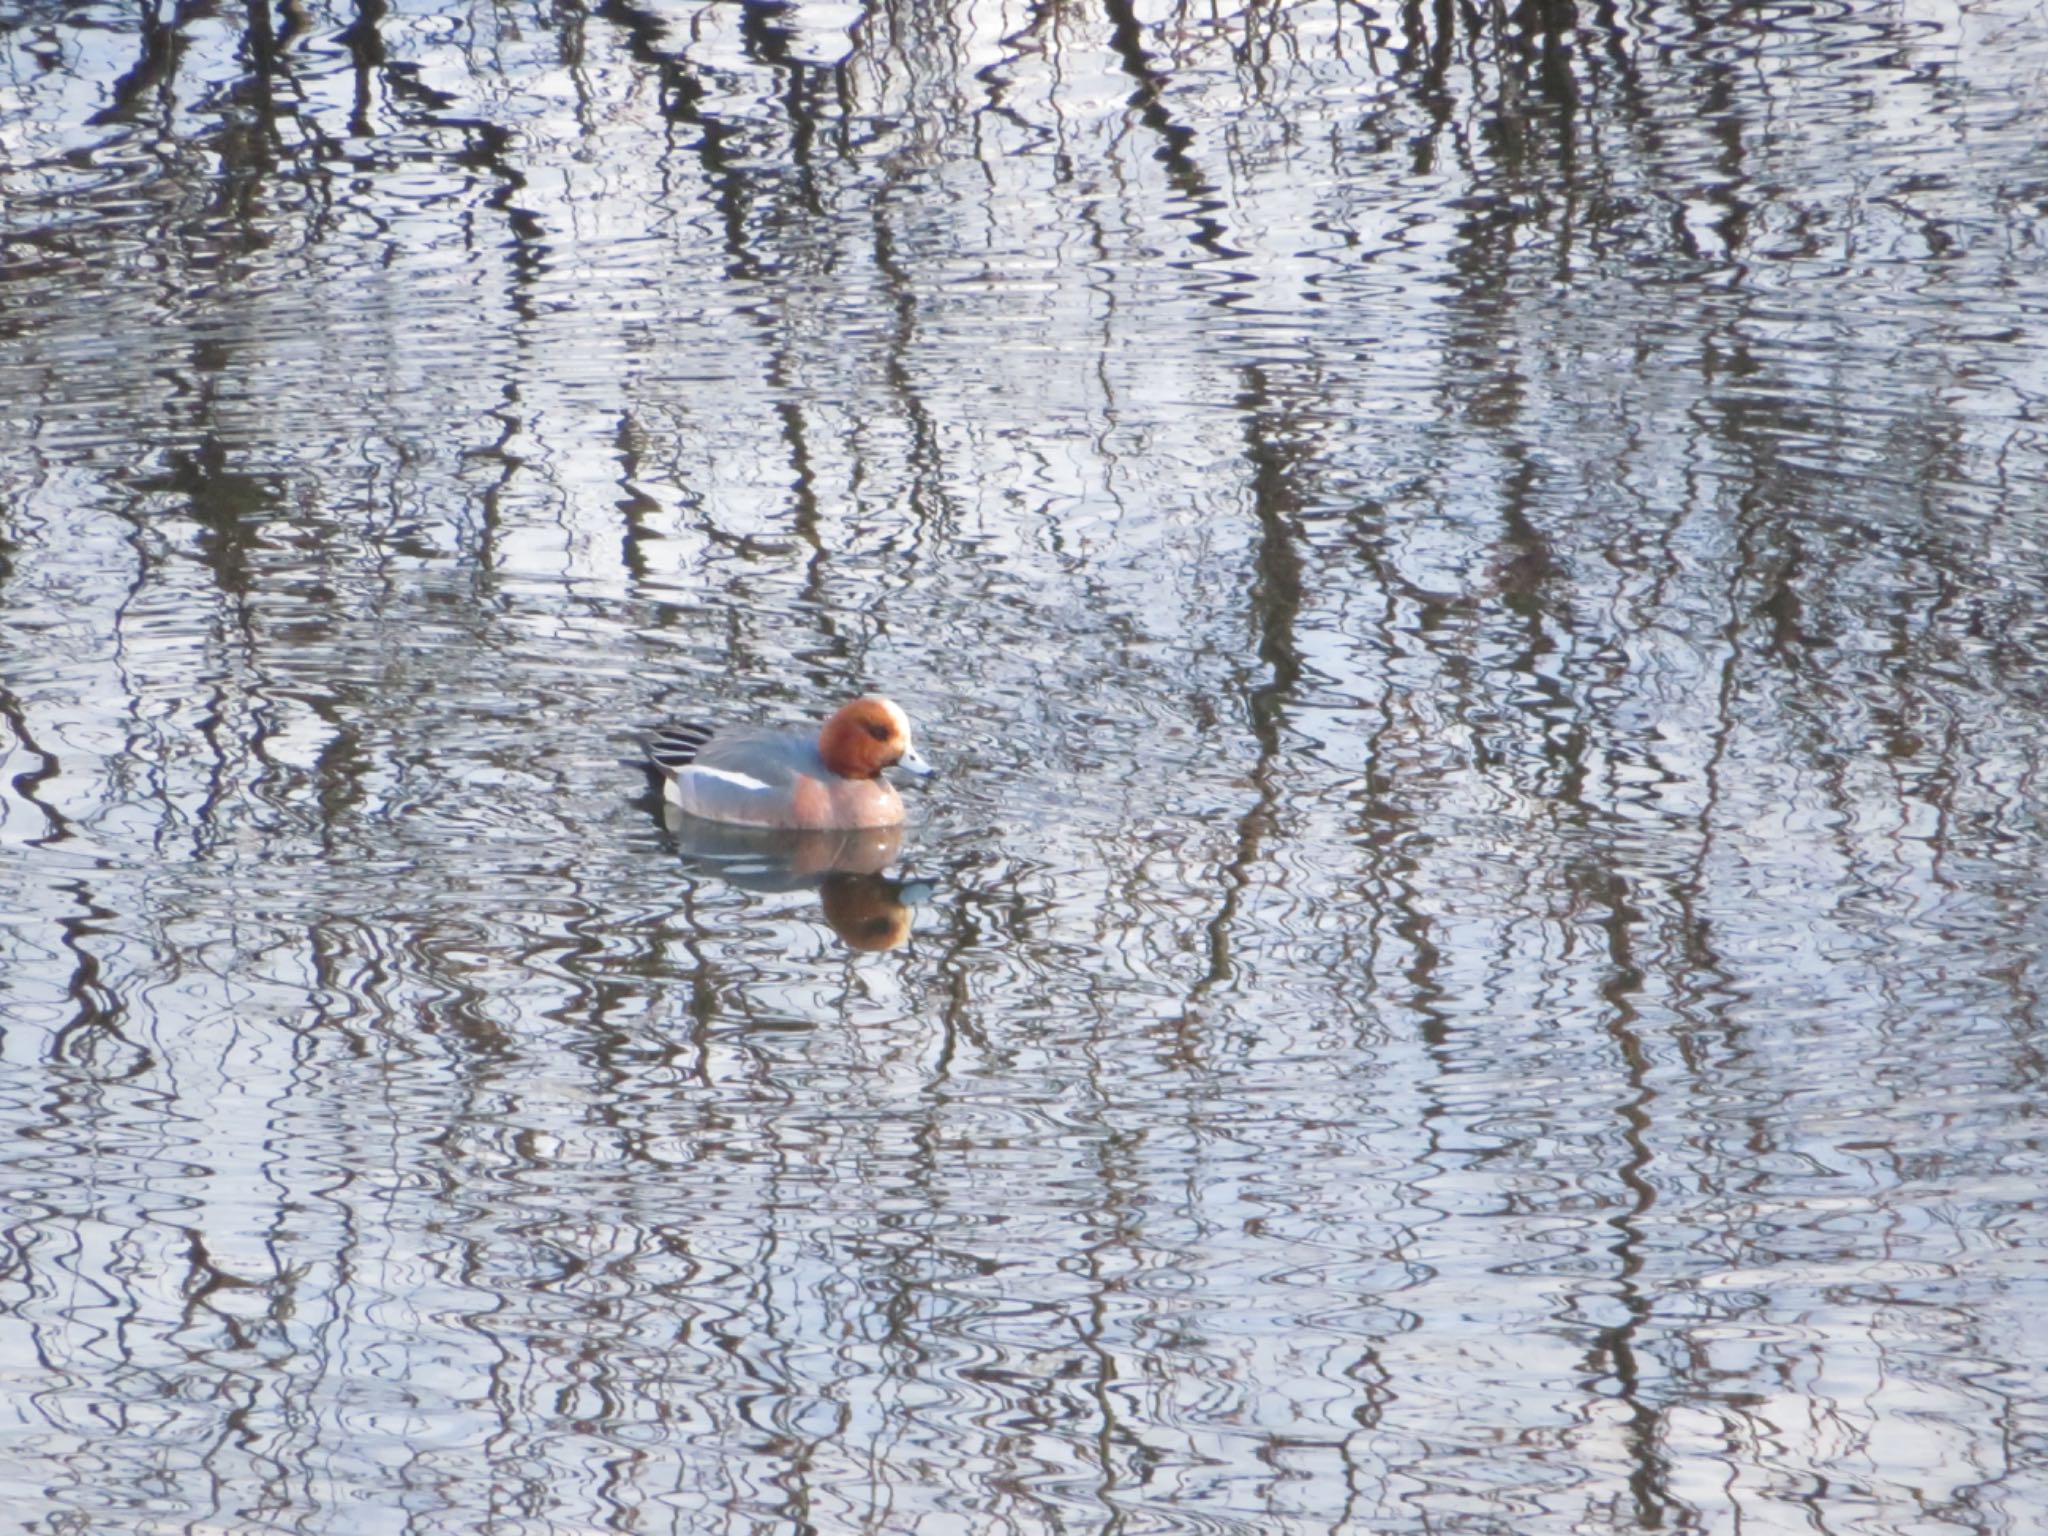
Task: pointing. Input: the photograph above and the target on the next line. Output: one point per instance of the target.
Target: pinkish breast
(862, 803)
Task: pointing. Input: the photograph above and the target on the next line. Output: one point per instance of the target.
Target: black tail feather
(677, 746)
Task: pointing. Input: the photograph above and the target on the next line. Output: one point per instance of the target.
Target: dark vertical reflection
(1176, 139)
(28, 782)
(159, 42)
(364, 40)
(1615, 1345)
(1277, 447)
(97, 1009)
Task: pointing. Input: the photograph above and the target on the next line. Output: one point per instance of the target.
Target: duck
(829, 780)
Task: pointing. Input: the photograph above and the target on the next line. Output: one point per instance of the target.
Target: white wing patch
(743, 781)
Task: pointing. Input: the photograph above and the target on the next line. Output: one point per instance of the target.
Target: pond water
(1477, 581)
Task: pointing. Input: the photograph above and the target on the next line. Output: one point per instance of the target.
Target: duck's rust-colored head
(866, 736)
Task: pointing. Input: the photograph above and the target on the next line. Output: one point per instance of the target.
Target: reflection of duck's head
(765, 859)
(869, 912)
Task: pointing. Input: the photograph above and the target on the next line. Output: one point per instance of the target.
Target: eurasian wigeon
(787, 778)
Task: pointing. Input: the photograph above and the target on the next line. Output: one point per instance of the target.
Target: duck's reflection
(867, 909)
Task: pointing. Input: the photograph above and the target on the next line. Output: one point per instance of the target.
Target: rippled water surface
(1478, 583)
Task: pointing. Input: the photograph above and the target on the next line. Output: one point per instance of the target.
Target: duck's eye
(881, 730)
